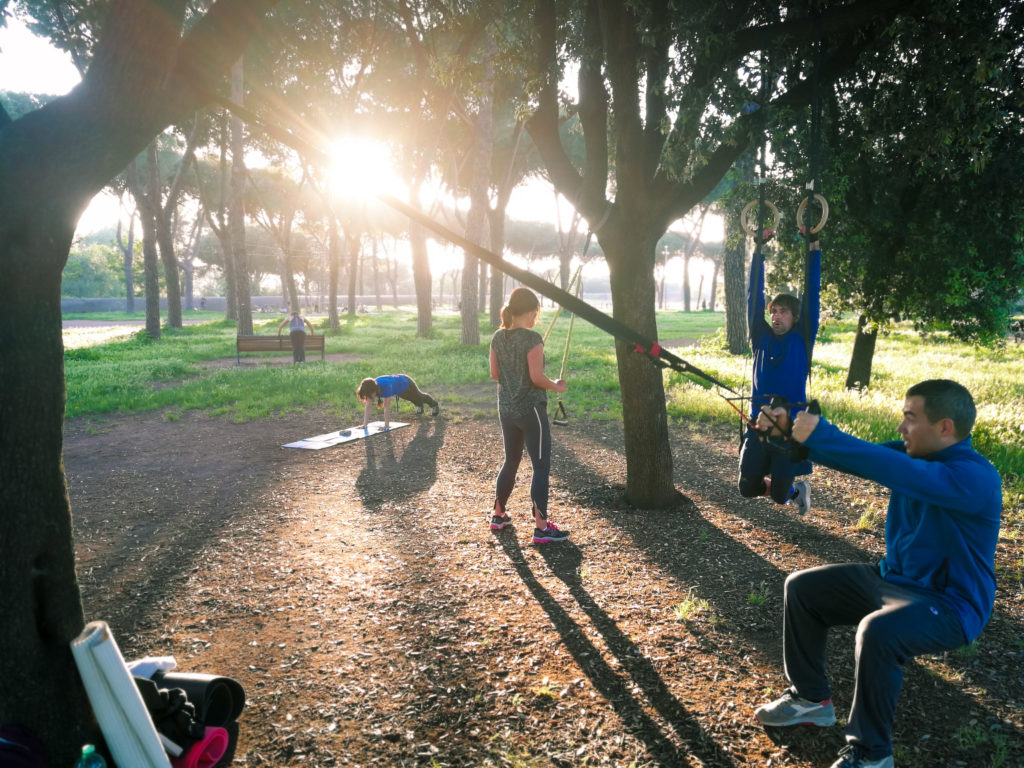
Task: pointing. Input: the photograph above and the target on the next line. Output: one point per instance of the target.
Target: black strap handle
(784, 443)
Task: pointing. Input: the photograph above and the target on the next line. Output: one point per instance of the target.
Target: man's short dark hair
(947, 399)
(790, 302)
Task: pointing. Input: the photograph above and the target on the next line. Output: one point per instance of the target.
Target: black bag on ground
(172, 713)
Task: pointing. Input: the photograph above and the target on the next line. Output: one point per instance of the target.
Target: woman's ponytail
(520, 302)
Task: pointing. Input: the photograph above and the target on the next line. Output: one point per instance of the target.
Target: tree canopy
(922, 149)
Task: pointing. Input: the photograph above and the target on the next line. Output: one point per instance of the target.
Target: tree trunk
(686, 283)
(468, 301)
(714, 288)
(128, 253)
(735, 298)
(230, 291)
(352, 246)
(288, 275)
(473, 272)
(150, 261)
(166, 214)
(236, 209)
(151, 265)
(482, 290)
(219, 223)
(188, 263)
(859, 375)
(496, 218)
(39, 599)
(393, 277)
(421, 277)
(52, 162)
(376, 273)
(649, 483)
(188, 268)
(164, 240)
(497, 296)
(334, 252)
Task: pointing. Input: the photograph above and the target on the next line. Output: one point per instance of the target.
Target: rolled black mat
(218, 700)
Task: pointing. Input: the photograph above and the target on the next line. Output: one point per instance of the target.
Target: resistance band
(561, 418)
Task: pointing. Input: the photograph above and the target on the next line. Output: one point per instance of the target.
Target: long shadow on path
(393, 477)
(564, 560)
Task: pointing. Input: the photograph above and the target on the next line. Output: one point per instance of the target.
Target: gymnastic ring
(751, 228)
(820, 199)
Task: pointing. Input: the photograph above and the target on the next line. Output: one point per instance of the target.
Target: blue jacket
(943, 518)
(782, 363)
(392, 385)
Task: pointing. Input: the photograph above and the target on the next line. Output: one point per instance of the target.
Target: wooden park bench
(279, 343)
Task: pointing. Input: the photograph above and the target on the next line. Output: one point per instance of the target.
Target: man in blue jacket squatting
(782, 361)
(933, 591)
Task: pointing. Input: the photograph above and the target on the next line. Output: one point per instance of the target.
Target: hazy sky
(30, 64)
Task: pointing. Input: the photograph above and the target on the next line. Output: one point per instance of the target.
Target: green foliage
(93, 271)
(928, 206)
(759, 594)
(19, 104)
(690, 607)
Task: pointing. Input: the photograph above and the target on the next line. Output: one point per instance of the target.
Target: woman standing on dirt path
(517, 364)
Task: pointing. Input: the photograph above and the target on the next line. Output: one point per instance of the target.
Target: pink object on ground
(206, 752)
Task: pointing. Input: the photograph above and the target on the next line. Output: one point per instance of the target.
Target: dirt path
(374, 620)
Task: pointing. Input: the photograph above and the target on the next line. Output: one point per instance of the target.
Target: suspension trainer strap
(561, 417)
(578, 280)
(572, 283)
(811, 233)
(785, 444)
(640, 343)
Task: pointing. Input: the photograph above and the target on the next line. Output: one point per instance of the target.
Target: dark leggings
(894, 623)
(298, 346)
(532, 432)
(756, 462)
(416, 396)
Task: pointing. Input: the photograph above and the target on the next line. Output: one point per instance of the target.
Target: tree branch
(543, 124)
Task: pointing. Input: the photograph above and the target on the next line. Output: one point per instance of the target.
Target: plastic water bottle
(90, 758)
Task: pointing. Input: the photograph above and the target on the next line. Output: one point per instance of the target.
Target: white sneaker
(802, 496)
(790, 709)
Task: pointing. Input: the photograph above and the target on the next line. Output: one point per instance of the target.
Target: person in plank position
(383, 388)
(932, 592)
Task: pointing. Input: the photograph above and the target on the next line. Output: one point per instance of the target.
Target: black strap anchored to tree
(651, 349)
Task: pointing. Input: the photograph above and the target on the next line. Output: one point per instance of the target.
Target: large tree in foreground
(664, 106)
(146, 73)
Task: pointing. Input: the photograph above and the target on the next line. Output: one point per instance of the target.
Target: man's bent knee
(751, 486)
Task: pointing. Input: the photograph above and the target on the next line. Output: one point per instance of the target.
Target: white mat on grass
(318, 442)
